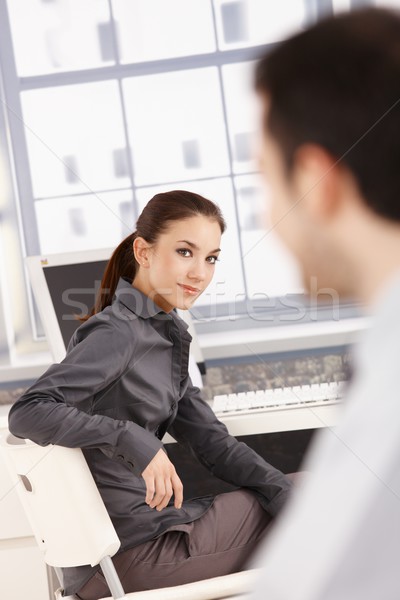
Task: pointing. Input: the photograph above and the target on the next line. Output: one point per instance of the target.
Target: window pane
(156, 29)
(60, 35)
(242, 110)
(242, 23)
(269, 267)
(347, 5)
(84, 222)
(176, 126)
(76, 142)
(341, 5)
(386, 3)
(227, 284)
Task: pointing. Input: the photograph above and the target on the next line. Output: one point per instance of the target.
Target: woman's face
(181, 264)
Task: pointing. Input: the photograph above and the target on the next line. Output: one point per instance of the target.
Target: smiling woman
(175, 271)
(171, 253)
(124, 383)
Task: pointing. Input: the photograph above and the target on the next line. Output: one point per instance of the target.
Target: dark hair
(161, 210)
(337, 84)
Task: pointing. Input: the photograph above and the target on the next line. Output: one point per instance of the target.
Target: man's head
(331, 149)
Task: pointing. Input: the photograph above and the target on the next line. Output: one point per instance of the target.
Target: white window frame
(18, 229)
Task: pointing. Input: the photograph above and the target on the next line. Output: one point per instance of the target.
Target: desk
(272, 421)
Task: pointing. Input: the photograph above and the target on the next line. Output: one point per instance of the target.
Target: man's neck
(378, 263)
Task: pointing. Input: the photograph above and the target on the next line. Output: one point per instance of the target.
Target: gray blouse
(123, 383)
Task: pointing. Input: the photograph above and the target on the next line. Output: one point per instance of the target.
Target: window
(84, 222)
(156, 29)
(176, 124)
(268, 266)
(242, 124)
(244, 23)
(114, 100)
(60, 35)
(74, 136)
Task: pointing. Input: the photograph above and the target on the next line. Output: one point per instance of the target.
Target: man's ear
(316, 179)
(141, 251)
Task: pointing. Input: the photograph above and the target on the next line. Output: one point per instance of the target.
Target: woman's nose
(197, 271)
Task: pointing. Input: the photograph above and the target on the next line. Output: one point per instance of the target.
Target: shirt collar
(143, 306)
(135, 300)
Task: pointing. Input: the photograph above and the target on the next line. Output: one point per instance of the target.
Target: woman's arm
(197, 427)
(56, 409)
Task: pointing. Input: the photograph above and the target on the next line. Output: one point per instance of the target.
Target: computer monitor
(65, 286)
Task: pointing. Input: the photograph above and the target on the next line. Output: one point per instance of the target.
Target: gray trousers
(218, 543)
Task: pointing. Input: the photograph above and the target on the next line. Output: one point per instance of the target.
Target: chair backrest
(62, 502)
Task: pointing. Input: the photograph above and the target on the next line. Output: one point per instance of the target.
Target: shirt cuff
(136, 447)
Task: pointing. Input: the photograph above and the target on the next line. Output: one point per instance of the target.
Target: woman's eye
(184, 252)
(212, 259)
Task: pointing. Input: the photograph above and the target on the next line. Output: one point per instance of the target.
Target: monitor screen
(70, 303)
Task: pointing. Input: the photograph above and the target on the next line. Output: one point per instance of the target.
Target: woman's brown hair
(153, 221)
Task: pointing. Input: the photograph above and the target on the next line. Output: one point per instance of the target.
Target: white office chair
(72, 526)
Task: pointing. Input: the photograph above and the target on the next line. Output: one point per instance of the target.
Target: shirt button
(131, 464)
(121, 456)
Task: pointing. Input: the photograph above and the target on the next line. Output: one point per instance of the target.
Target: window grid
(16, 85)
(229, 148)
(123, 111)
(118, 74)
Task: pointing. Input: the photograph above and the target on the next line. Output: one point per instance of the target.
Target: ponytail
(121, 264)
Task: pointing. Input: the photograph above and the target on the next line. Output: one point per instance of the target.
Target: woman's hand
(161, 482)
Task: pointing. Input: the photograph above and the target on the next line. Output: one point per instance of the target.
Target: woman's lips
(188, 289)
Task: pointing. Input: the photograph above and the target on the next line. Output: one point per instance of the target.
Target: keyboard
(279, 409)
(277, 398)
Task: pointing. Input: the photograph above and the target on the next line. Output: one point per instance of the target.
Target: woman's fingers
(167, 496)
(150, 488)
(161, 482)
(160, 492)
(178, 490)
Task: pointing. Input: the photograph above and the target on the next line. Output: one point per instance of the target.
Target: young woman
(123, 383)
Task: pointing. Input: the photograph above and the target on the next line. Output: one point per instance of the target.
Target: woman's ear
(141, 251)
